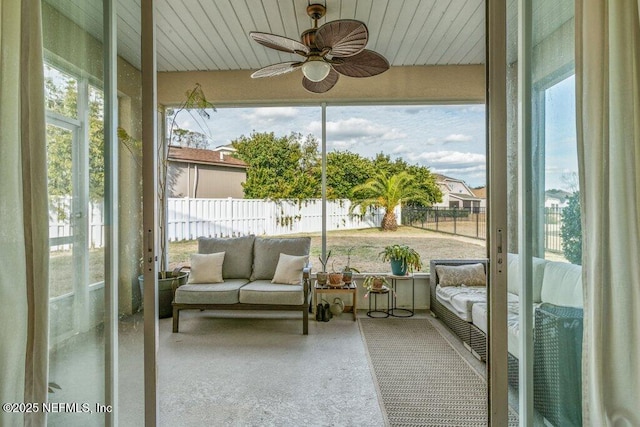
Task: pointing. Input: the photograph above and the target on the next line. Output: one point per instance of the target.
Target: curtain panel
(23, 212)
(608, 123)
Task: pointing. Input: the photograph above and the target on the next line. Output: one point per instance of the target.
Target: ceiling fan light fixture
(316, 70)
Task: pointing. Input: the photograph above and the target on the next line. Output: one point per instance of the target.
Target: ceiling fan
(335, 48)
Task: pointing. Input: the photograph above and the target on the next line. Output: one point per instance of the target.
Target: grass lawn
(367, 244)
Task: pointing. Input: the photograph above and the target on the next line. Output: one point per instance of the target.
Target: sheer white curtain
(23, 212)
(608, 111)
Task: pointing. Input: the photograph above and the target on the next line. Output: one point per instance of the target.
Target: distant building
(207, 174)
(456, 194)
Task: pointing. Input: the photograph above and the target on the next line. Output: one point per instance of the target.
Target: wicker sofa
(557, 297)
(247, 277)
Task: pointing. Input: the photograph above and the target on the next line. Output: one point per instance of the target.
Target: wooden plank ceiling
(201, 35)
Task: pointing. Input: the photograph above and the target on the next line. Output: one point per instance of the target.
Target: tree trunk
(389, 222)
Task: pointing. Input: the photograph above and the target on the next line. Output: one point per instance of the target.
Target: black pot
(165, 290)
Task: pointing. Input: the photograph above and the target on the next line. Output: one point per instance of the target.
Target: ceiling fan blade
(365, 64)
(321, 86)
(345, 37)
(280, 43)
(276, 69)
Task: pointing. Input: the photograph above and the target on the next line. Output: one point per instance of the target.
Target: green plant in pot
(323, 276)
(347, 271)
(403, 259)
(335, 277)
(374, 283)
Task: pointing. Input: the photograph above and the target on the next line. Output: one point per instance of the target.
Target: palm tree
(387, 192)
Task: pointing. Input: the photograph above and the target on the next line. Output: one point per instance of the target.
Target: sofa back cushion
(514, 279)
(266, 253)
(562, 284)
(238, 257)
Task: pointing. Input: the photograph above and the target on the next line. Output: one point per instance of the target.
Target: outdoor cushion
(215, 293)
(468, 274)
(479, 316)
(514, 279)
(562, 284)
(238, 258)
(289, 269)
(462, 298)
(206, 268)
(265, 292)
(266, 254)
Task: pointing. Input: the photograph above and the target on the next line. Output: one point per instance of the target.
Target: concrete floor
(230, 368)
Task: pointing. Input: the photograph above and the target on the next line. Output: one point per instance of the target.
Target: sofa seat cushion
(462, 298)
(265, 292)
(226, 292)
(238, 257)
(479, 316)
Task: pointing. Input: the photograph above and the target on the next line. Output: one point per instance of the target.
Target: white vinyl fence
(189, 219)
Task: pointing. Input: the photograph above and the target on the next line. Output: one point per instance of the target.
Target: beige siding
(205, 181)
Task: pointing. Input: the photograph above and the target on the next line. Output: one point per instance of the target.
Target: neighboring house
(456, 194)
(207, 174)
(553, 202)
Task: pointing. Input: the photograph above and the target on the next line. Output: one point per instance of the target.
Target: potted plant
(335, 277)
(347, 271)
(322, 276)
(168, 280)
(403, 259)
(374, 283)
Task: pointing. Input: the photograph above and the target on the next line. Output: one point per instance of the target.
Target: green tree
(571, 230)
(285, 167)
(345, 171)
(388, 191)
(189, 138)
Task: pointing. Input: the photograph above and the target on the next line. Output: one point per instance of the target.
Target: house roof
(463, 196)
(480, 193)
(202, 156)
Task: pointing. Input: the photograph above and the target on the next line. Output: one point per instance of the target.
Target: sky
(449, 139)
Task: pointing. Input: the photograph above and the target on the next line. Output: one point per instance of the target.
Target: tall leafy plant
(195, 100)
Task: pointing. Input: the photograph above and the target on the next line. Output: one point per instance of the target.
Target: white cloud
(355, 131)
(268, 116)
(451, 159)
(457, 137)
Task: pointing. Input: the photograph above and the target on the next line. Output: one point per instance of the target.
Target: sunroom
(99, 84)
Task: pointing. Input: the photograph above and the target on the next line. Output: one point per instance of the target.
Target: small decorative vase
(322, 277)
(377, 283)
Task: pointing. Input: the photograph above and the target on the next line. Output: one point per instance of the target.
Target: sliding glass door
(544, 305)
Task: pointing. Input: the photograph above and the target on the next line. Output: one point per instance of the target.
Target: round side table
(373, 295)
(402, 312)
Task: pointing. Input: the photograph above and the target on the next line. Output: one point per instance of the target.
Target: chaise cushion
(266, 253)
(289, 269)
(206, 268)
(239, 254)
(468, 275)
(265, 292)
(213, 293)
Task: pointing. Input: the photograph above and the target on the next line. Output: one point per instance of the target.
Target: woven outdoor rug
(422, 380)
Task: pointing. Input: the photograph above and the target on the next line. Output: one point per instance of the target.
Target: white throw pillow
(289, 269)
(206, 268)
(468, 275)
